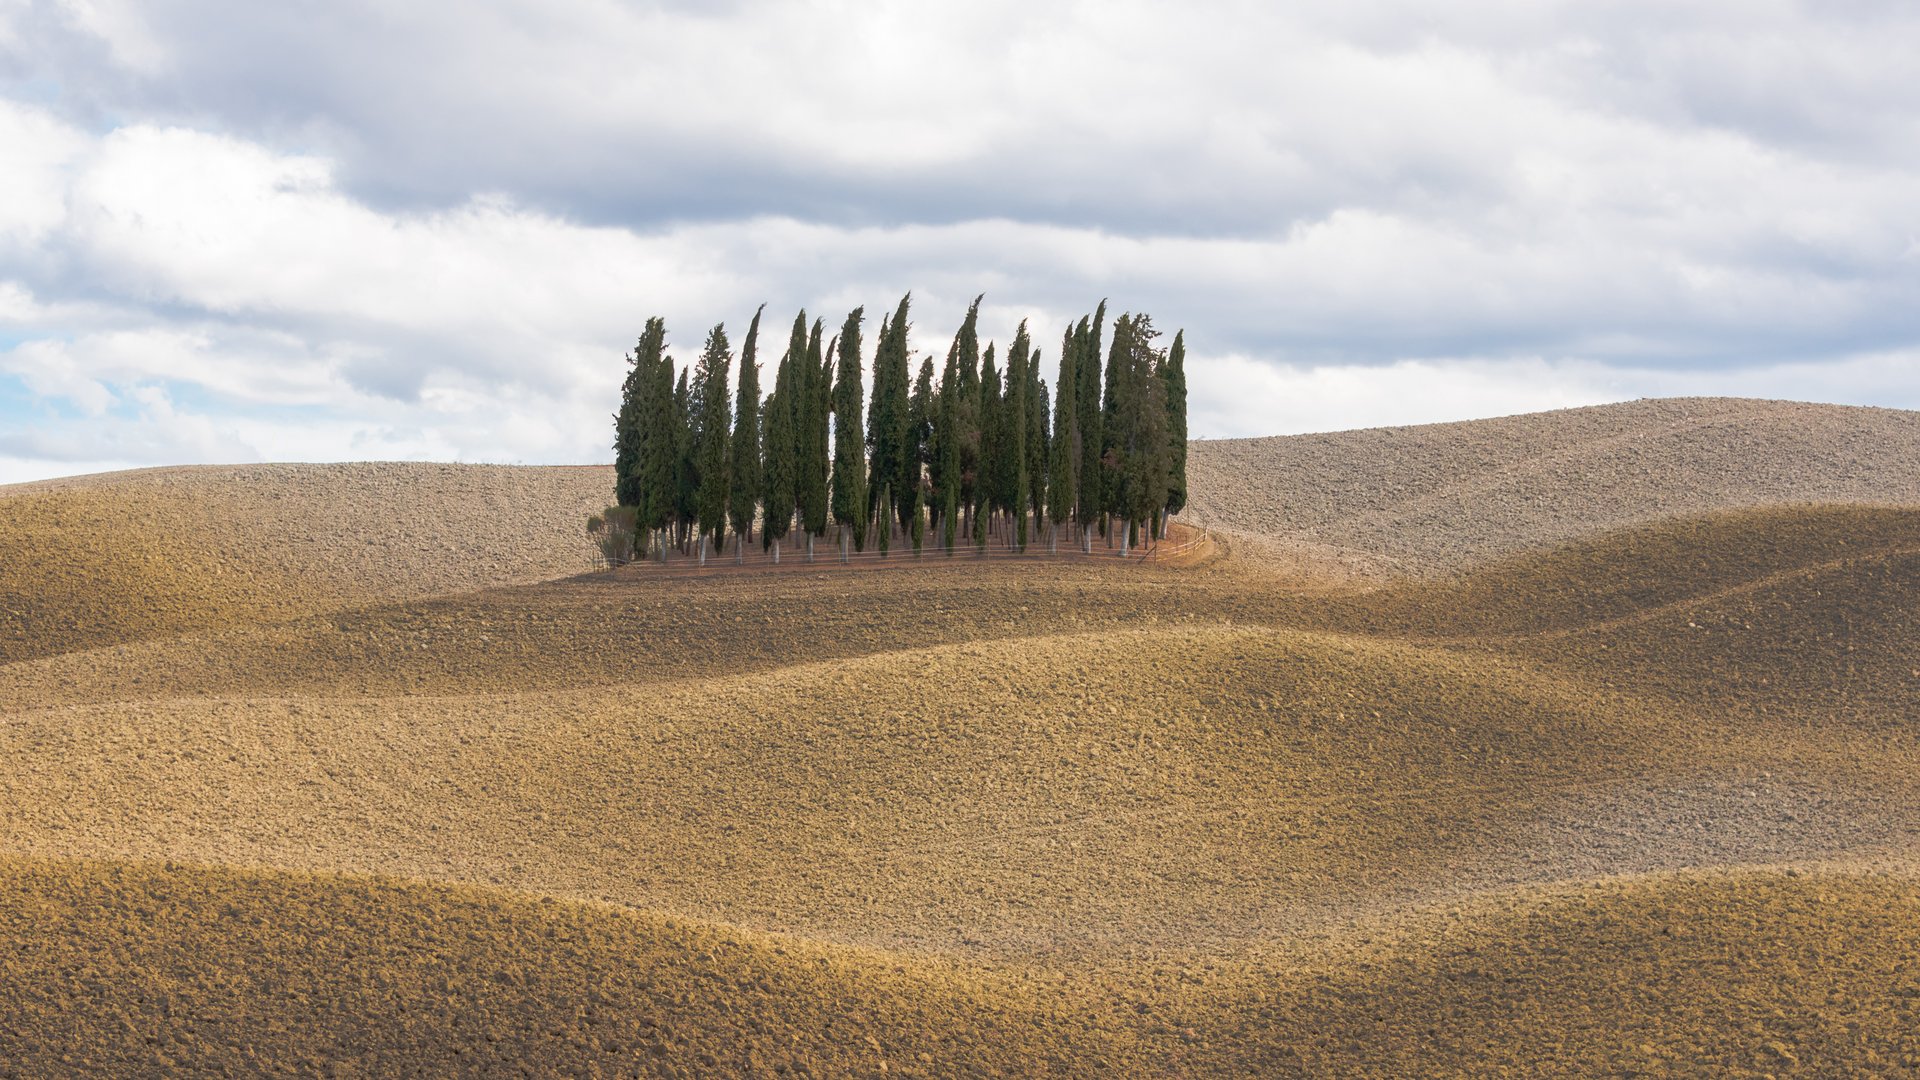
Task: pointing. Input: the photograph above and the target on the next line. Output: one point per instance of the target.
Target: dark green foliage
(627, 424)
(890, 438)
(788, 434)
(966, 402)
(943, 462)
(849, 504)
(1173, 376)
(917, 524)
(745, 483)
(1063, 465)
(694, 456)
(659, 463)
(1012, 428)
(686, 470)
(920, 410)
(1087, 406)
(778, 475)
(643, 460)
(1109, 409)
(991, 487)
(713, 428)
(1037, 438)
(1139, 434)
(949, 519)
(814, 411)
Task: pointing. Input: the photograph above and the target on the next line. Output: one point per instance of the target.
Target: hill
(1583, 792)
(1438, 498)
(117, 557)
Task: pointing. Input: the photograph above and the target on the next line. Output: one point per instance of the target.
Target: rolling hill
(1563, 744)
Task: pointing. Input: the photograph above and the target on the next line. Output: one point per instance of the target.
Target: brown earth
(1638, 799)
(1438, 498)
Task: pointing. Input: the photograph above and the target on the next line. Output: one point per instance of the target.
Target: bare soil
(1608, 796)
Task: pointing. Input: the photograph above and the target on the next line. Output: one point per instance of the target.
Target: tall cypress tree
(744, 484)
(990, 491)
(1013, 431)
(813, 460)
(889, 436)
(943, 465)
(793, 369)
(1087, 403)
(1140, 429)
(1109, 424)
(966, 403)
(917, 524)
(686, 470)
(1174, 380)
(949, 438)
(920, 428)
(850, 508)
(715, 431)
(1063, 466)
(627, 425)
(778, 475)
(658, 466)
(1038, 439)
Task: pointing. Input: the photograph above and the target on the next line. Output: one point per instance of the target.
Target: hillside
(1578, 790)
(101, 560)
(1439, 498)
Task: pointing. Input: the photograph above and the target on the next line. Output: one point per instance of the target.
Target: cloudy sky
(236, 232)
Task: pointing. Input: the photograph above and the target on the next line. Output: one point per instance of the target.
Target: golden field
(1476, 749)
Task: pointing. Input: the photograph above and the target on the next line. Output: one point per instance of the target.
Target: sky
(350, 231)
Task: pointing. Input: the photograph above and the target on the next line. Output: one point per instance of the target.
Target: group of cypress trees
(980, 452)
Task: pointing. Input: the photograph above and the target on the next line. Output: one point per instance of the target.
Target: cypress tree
(1063, 464)
(744, 484)
(658, 462)
(793, 368)
(944, 451)
(1038, 438)
(920, 428)
(777, 517)
(917, 525)
(886, 519)
(966, 404)
(1109, 426)
(1174, 380)
(685, 466)
(1087, 404)
(949, 452)
(715, 434)
(813, 460)
(991, 487)
(1014, 432)
(896, 464)
(1140, 428)
(627, 425)
(850, 506)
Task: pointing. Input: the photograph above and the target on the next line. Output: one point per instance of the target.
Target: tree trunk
(809, 547)
(776, 550)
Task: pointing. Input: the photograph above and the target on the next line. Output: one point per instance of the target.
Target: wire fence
(829, 551)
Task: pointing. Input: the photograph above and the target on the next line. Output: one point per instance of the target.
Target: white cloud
(335, 230)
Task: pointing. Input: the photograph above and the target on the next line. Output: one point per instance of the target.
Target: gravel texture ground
(1438, 498)
(1625, 792)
